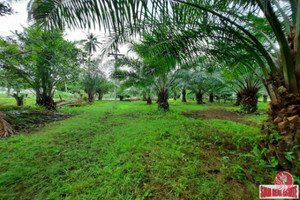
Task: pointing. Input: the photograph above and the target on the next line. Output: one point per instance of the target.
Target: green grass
(128, 150)
(12, 102)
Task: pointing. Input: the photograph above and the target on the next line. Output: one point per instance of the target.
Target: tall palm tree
(91, 43)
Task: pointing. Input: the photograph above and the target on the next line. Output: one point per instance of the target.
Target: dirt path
(219, 114)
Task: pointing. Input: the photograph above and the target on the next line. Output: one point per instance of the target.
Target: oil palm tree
(103, 86)
(197, 85)
(93, 79)
(182, 80)
(146, 75)
(202, 82)
(248, 86)
(136, 74)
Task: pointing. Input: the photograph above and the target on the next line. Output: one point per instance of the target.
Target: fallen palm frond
(5, 129)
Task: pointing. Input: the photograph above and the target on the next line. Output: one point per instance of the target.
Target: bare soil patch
(219, 114)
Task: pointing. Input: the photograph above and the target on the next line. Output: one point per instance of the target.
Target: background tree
(91, 43)
(215, 83)
(136, 74)
(93, 79)
(198, 84)
(14, 82)
(44, 60)
(248, 87)
(246, 84)
(89, 82)
(103, 86)
(182, 80)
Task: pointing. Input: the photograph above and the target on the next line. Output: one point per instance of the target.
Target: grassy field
(129, 150)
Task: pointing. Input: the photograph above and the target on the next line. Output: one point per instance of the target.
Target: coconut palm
(91, 43)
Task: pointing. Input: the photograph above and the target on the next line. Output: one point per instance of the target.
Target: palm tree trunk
(265, 98)
(45, 101)
(163, 100)
(238, 99)
(175, 96)
(199, 97)
(19, 99)
(91, 97)
(149, 100)
(100, 96)
(183, 95)
(211, 97)
(249, 102)
(283, 120)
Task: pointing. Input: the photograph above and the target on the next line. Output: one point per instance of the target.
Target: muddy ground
(220, 114)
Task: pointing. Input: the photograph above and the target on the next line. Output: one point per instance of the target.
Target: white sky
(16, 21)
(10, 23)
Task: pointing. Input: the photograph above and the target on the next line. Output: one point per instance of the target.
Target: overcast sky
(16, 21)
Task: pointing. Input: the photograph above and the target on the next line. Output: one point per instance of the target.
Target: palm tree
(5, 9)
(246, 84)
(200, 83)
(216, 83)
(91, 43)
(5, 128)
(93, 80)
(147, 75)
(103, 87)
(137, 74)
(182, 80)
